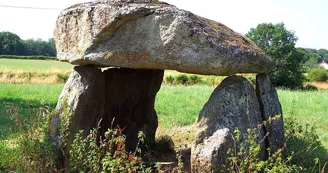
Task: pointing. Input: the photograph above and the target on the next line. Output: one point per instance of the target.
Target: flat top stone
(148, 34)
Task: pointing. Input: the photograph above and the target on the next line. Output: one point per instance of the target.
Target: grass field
(175, 105)
(33, 65)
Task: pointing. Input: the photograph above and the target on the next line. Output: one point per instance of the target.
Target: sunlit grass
(176, 105)
(27, 65)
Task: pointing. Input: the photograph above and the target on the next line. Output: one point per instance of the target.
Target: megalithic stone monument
(137, 40)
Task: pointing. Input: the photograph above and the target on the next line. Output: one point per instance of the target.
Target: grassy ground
(175, 105)
(307, 108)
(33, 65)
(27, 98)
(22, 71)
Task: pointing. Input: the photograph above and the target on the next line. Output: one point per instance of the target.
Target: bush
(105, 155)
(318, 75)
(182, 79)
(302, 152)
(195, 79)
(170, 79)
(303, 145)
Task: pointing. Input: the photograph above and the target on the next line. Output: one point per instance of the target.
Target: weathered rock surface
(211, 154)
(233, 104)
(118, 97)
(146, 34)
(79, 107)
(270, 109)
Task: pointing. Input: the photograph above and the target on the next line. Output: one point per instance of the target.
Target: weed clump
(107, 154)
(301, 153)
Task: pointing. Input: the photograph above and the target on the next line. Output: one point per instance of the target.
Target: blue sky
(307, 18)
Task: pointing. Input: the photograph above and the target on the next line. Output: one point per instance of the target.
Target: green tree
(11, 44)
(279, 43)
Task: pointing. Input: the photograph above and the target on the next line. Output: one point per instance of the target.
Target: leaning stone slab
(233, 104)
(146, 34)
(270, 110)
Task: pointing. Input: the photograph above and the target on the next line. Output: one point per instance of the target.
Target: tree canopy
(279, 43)
(12, 44)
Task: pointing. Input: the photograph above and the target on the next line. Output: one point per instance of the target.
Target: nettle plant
(106, 153)
(245, 156)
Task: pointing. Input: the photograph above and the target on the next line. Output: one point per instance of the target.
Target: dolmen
(121, 49)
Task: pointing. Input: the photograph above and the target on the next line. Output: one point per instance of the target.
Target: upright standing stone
(233, 104)
(270, 109)
(79, 106)
(121, 98)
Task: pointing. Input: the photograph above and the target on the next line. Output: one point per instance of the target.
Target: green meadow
(176, 105)
(28, 85)
(30, 65)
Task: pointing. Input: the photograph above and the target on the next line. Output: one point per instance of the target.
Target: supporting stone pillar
(118, 97)
(80, 107)
(270, 109)
(233, 104)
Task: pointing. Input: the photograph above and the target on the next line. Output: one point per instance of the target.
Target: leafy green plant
(318, 75)
(304, 145)
(195, 79)
(169, 79)
(301, 153)
(182, 79)
(108, 154)
(246, 157)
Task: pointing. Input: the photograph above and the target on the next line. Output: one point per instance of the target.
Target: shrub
(182, 79)
(303, 145)
(318, 74)
(170, 79)
(195, 79)
(105, 155)
(302, 152)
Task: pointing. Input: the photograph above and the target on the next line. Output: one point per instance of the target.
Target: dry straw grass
(52, 76)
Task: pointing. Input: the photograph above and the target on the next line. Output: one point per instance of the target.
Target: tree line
(12, 44)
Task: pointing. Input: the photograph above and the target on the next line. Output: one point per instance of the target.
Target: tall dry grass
(52, 76)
